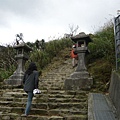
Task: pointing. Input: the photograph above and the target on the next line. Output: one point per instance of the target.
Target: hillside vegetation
(100, 61)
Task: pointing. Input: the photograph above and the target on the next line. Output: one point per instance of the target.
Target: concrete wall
(114, 90)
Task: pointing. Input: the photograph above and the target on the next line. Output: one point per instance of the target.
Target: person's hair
(31, 68)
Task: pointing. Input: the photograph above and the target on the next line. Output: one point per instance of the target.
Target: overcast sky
(49, 19)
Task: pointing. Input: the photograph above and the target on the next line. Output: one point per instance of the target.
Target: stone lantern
(80, 79)
(22, 51)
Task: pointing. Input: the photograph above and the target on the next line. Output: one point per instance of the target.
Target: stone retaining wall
(114, 91)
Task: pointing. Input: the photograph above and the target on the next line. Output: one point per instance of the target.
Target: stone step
(55, 78)
(43, 91)
(57, 72)
(3, 86)
(66, 100)
(13, 116)
(51, 92)
(79, 106)
(44, 99)
(56, 75)
(23, 100)
(44, 112)
(76, 117)
(49, 105)
(20, 110)
(64, 112)
(50, 85)
(52, 82)
(18, 91)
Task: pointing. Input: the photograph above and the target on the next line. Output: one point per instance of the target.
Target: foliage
(103, 44)
(101, 59)
(52, 49)
(7, 62)
(4, 74)
(101, 73)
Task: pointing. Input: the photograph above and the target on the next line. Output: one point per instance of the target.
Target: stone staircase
(54, 103)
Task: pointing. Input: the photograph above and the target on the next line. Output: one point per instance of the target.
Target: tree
(73, 29)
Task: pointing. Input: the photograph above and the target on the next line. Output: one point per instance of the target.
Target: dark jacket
(31, 81)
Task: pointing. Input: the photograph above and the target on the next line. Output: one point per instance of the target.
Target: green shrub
(103, 44)
(52, 49)
(101, 59)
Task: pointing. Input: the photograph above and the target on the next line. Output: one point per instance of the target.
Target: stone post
(21, 57)
(80, 79)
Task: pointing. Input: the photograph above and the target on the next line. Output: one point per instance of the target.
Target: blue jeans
(29, 102)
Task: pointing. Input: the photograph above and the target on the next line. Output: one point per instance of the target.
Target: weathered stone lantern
(22, 51)
(80, 79)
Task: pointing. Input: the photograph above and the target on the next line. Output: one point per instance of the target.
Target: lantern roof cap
(24, 46)
(81, 36)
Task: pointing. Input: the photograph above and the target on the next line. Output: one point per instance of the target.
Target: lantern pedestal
(78, 80)
(21, 57)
